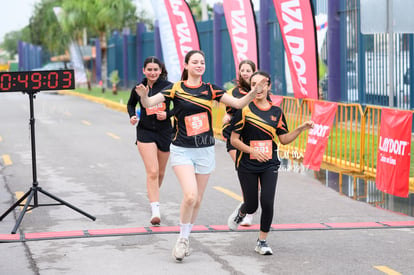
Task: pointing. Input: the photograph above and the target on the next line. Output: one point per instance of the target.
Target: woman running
(255, 128)
(153, 131)
(246, 69)
(192, 148)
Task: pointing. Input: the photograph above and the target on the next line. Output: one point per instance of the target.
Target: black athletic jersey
(259, 128)
(148, 118)
(236, 92)
(193, 113)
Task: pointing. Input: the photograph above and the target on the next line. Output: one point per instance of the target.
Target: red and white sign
(241, 24)
(323, 116)
(178, 34)
(183, 27)
(297, 25)
(394, 148)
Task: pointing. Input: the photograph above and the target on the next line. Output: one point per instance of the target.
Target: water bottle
(138, 113)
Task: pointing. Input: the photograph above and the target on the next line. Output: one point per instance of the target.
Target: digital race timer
(37, 81)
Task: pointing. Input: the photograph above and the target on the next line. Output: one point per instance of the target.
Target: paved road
(86, 156)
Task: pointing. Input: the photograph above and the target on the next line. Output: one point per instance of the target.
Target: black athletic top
(193, 113)
(238, 93)
(259, 128)
(148, 119)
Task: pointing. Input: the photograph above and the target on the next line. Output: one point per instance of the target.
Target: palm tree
(101, 17)
(45, 29)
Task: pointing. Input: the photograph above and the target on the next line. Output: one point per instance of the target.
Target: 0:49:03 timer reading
(37, 80)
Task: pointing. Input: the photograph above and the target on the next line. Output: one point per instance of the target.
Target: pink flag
(183, 28)
(241, 24)
(394, 148)
(178, 34)
(276, 100)
(297, 25)
(323, 115)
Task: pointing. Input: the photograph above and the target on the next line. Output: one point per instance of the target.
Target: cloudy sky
(15, 14)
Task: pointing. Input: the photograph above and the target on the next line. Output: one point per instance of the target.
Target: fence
(353, 142)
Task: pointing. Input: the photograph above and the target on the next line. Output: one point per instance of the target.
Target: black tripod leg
(66, 203)
(17, 203)
(19, 220)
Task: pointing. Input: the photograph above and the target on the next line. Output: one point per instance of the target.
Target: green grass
(121, 97)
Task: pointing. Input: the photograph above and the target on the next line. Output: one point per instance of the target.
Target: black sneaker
(235, 218)
(262, 248)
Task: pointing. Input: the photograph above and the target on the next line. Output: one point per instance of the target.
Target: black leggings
(250, 187)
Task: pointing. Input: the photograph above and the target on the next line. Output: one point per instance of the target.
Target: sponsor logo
(392, 146)
(292, 16)
(239, 29)
(183, 28)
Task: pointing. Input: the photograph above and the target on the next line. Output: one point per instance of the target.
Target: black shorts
(229, 146)
(161, 138)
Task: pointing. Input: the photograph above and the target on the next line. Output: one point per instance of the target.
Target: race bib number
(155, 109)
(197, 124)
(264, 146)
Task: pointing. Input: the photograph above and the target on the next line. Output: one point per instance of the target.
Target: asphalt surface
(91, 162)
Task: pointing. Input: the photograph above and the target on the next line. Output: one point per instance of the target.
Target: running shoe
(247, 220)
(263, 248)
(235, 218)
(181, 249)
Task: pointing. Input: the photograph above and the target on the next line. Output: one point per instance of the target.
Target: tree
(197, 9)
(45, 29)
(11, 40)
(101, 16)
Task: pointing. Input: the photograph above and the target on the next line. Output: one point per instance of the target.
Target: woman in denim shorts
(192, 148)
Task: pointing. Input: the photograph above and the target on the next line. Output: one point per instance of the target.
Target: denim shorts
(203, 159)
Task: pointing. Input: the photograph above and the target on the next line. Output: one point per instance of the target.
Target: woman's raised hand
(142, 90)
(260, 86)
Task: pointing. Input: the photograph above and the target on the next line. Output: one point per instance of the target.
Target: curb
(107, 103)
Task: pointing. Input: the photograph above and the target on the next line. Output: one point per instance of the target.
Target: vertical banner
(297, 24)
(394, 148)
(178, 34)
(241, 25)
(323, 116)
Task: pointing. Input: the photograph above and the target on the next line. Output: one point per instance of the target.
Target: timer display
(37, 81)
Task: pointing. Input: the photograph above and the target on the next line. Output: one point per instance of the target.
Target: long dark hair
(184, 75)
(240, 81)
(153, 59)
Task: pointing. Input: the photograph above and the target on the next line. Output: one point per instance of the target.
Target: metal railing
(353, 141)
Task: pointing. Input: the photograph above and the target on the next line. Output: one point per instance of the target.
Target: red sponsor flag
(393, 159)
(241, 25)
(276, 99)
(183, 27)
(297, 24)
(178, 33)
(323, 115)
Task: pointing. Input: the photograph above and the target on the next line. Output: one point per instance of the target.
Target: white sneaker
(181, 249)
(235, 218)
(262, 248)
(247, 220)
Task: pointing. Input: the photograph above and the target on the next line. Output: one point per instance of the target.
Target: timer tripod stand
(35, 189)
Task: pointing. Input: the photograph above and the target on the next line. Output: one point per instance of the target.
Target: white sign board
(374, 16)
